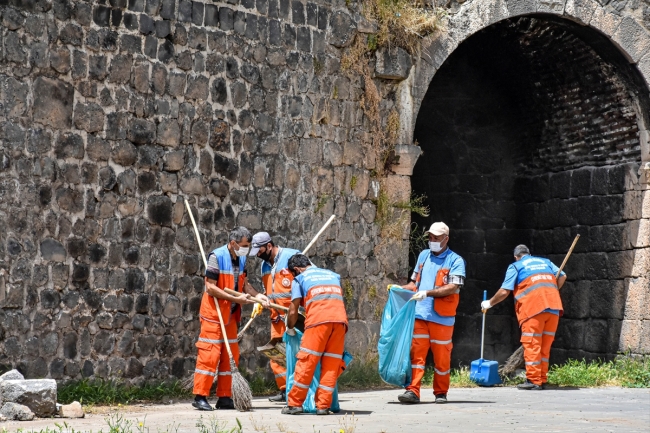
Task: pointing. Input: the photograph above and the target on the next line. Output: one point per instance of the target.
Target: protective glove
(420, 296)
(392, 286)
(485, 305)
(257, 310)
(291, 332)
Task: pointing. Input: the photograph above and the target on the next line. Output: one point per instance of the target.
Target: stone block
(141, 131)
(39, 395)
(159, 210)
(14, 411)
(89, 117)
(607, 299)
(124, 153)
(53, 250)
(12, 375)
(197, 87)
(392, 63)
(168, 133)
(342, 29)
(53, 102)
(72, 410)
(596, 336)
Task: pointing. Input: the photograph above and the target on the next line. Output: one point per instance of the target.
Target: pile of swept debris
(23, 399)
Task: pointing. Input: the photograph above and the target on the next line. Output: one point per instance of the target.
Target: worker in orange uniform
(437, 278)
(538, 306)
(326, 323)
(226, 269)
(276, 279)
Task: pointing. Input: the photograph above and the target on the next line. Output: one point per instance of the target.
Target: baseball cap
(436, 229)
(259, 240)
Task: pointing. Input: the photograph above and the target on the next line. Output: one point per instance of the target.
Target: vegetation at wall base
(115, 391)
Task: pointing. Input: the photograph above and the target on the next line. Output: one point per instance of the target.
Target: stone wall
(112, 113)
(507, 121)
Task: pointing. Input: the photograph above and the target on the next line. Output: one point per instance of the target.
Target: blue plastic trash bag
(292, 347)
(395, 337)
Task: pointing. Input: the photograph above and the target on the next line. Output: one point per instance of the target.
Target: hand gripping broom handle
(205, 263)
(483, 327)
(271, 304)
(573, 245)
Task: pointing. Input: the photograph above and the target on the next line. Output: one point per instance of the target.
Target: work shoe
(544, 385)
(323, 412)
(441, 398)
(292, 410)
(201, 403)
(408, 397)
(225, 403)
(529, 386)
(281, 397)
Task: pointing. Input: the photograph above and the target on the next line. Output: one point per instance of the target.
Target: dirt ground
(468, 410)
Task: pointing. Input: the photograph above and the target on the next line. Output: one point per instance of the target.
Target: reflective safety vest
(277, 281)
(536, 288)
(322, 297)
(446, 305)
(226, 280)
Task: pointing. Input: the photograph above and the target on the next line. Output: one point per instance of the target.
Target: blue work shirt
(431, 265)
(511, 277)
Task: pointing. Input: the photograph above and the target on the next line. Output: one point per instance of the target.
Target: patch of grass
(372, 292)
(353, 182)
(348, 291)
(322, 201)
(260, 384)
(392, 216)
(318, 66)
(213, 425)
(626, 371)
(110, 392)
(403, 23)
(459, 378)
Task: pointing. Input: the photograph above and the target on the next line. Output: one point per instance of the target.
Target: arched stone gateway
(532, 117)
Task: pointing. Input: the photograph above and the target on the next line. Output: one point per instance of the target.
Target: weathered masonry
(531, 116)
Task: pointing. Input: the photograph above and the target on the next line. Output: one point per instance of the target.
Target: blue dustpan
(482, 371)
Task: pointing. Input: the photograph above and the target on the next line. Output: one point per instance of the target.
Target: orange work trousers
(325, 343)
(438, 338)
(537, 335)
(280, 373)
(212, 359)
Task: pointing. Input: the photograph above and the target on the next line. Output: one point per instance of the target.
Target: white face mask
(435, 246)
(241, 252)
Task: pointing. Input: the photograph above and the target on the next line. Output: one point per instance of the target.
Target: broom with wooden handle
(516, 360)
(241, 391)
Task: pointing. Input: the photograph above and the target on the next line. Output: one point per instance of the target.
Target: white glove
(291, 332)
(420, 296)
(485, 305)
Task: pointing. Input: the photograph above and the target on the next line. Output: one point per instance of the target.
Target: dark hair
(298, 261)
(238, 233)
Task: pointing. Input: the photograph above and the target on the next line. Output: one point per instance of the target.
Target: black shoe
(292, 410)
(225, 403)
(529, 386)
(323, 411)
(281, 397)
(441, 398)
(544, 385)
(201, 403)
(408, 397)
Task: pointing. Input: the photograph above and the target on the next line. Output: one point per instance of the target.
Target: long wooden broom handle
(205, 263)
(573, 245)
(320, 232)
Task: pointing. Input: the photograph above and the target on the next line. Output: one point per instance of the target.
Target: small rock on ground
(15, 411)
(72, 410)
(38, 394)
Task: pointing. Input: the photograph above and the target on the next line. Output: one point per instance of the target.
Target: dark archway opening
(530, 130)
